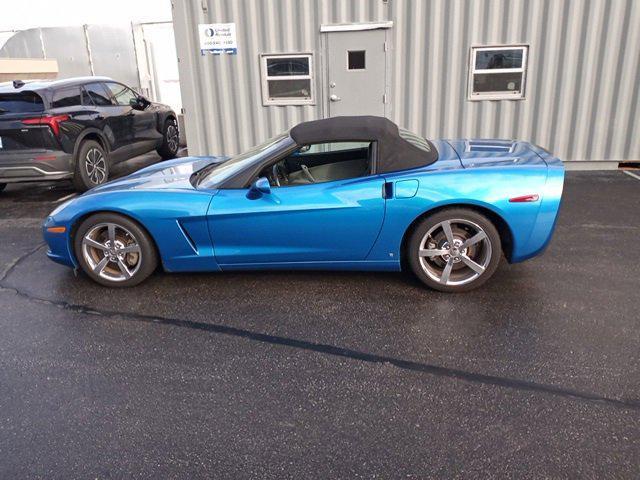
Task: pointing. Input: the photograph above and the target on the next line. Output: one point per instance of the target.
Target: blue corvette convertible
(344, 193)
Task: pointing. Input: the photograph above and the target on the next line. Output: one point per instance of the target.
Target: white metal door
(356, 64)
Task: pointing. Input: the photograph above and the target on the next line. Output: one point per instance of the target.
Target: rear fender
(489, 188)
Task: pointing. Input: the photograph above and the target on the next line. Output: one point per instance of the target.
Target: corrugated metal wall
(582, 94)
(80, 50)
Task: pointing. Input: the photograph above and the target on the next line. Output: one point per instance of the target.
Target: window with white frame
(287, 79)
(498, 73)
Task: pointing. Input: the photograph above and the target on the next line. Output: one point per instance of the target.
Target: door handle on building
(334, 98)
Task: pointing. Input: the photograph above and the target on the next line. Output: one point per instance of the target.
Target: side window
(66, 97)
(287, 79)
(322, 162)
(498, 73)
(98, 94)
(121, 94)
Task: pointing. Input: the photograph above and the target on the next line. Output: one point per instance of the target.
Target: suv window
(66, 97)
(20, 102)
(122, 95)
(98, 94)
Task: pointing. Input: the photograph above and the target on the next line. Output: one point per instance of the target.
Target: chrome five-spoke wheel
(112, 252)
(455, 250)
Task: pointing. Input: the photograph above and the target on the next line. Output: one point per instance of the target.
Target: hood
(475, 152)
(172, 174)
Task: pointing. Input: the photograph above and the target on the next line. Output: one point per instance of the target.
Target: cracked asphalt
(327, 375)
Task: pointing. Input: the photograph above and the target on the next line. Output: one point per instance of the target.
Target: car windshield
(215, 174)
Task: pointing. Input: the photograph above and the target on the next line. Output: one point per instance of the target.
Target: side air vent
(187, 237)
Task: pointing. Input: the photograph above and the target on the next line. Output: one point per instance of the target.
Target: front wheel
(170, 140)
(454, 250)
(114, 250)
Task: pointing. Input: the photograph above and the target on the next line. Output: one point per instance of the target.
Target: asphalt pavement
(326, 375)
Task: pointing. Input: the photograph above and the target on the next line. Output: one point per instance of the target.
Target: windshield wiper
(2, 110)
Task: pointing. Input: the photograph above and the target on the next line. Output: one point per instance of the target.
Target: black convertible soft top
(396, 150)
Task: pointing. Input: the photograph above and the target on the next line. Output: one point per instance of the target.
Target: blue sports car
(344, 193)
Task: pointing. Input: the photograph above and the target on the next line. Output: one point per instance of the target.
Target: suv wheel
(455, 250)
(92, 166)
(170, 140)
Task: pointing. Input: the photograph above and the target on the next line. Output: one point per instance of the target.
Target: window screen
(287, 79)
(497, 72)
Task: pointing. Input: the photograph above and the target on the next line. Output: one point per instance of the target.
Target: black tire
(170, 139)
(91, 166)
(471, 265)
(2, 186)
(139, 264)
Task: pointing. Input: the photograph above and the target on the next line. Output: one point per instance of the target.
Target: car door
(112, 119)
(144, 132)
(333, 221)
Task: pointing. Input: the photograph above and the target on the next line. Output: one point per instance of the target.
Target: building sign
(217, 38)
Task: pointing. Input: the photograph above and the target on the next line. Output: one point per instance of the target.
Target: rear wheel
(3, 186)
(170, 140)
(454, 250)
(114, 250)
(92, 166)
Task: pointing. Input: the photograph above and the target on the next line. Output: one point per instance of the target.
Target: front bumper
(59, 244)
(35, 166)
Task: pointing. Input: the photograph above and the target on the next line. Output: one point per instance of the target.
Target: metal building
(564, 74)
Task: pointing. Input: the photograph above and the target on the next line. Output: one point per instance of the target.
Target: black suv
(78, 128)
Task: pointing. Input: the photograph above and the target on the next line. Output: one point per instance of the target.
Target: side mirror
(258, 188)
(139, 103)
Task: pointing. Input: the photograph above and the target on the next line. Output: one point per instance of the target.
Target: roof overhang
(354, 27)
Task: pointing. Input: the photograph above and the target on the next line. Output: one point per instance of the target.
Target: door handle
(334, 98)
